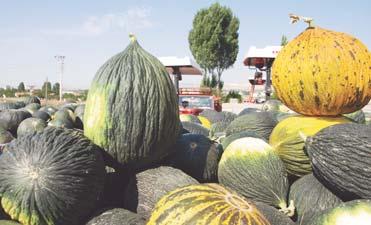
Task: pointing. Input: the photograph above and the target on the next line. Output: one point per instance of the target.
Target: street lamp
(60, 65)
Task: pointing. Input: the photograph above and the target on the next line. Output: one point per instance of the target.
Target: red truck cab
(195, 100)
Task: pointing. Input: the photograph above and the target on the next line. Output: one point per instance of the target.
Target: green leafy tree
(46, 85)
(213, 40)
(284, 40)
(55, 89)
(21, 87)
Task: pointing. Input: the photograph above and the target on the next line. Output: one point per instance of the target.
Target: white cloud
(130, 21)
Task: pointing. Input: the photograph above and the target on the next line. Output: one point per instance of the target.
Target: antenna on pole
(60, 67)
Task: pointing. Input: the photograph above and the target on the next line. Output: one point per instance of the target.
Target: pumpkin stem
(295, 18)
(288, 211)
(132, 37)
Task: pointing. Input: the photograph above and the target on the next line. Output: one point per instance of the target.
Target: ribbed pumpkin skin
(132, 109)
(357, 212)
(311, 198)
(116, 216)
(272, 214)
(341, 157)
(288, 140)
(262, 123)
(147, 187)
(30, 125)
(322, 72)
(250, 167)
(189, 118)
(8, 222)
(51, 178)
(229, 139)
(195, 128)
(197, 156)
(206, 204)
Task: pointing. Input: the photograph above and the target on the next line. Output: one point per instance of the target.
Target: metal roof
(268, 52)
(186, 65)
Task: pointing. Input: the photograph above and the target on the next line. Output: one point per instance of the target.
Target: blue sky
(89, 32)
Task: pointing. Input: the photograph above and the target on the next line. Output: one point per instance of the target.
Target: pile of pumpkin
(138, 162)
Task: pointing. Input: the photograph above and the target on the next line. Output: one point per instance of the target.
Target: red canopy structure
(261, 59)
(180, 66)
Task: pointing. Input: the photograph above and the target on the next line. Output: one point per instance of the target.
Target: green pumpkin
(147, 187)
(311, 198)
(8, 222)
(341, 158)
(250, 167)
(132, 109)
(58, 175)
(262, 123)
(116, 216)
(357, 212)
(30, 125)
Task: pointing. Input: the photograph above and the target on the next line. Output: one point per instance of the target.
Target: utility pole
(46, 90)
(60, 67)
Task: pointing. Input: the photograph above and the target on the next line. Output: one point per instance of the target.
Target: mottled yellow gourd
(323, 72)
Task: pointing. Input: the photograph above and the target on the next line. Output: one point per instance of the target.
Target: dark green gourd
(58, 175)
(132, 109)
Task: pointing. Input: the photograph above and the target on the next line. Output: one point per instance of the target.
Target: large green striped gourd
(341, 158)
(288, 139)
(132, 109)
(250, 167)
(51, 178)
(311, 198)
(205, 204)
(8, 222)
(356, 212)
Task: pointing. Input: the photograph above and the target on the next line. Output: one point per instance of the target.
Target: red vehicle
(195, 100)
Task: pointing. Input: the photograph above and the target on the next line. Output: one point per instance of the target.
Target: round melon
(195, 128)
(79, 110)
(8, 105)
(32, 107)
(62, 123)
(132, 108)
(250, 167)
(58, 175)
(10, 119)
(323, 73)
(8, 222)
(147, 187)
(31, 99)
(262, 123)
(197, 156)
(30, 125)
(5, 136)
(203, 205)
(42, 115)
(189, 118)
(357, 116)
(248, 110)
(341, 158)
(49, 109)
(288, 139)
(311, 198)
(229, 139)
(217, 129)
(357, 212)
(212, 115)
(274, 216)
(116, 216)
(204, 121)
